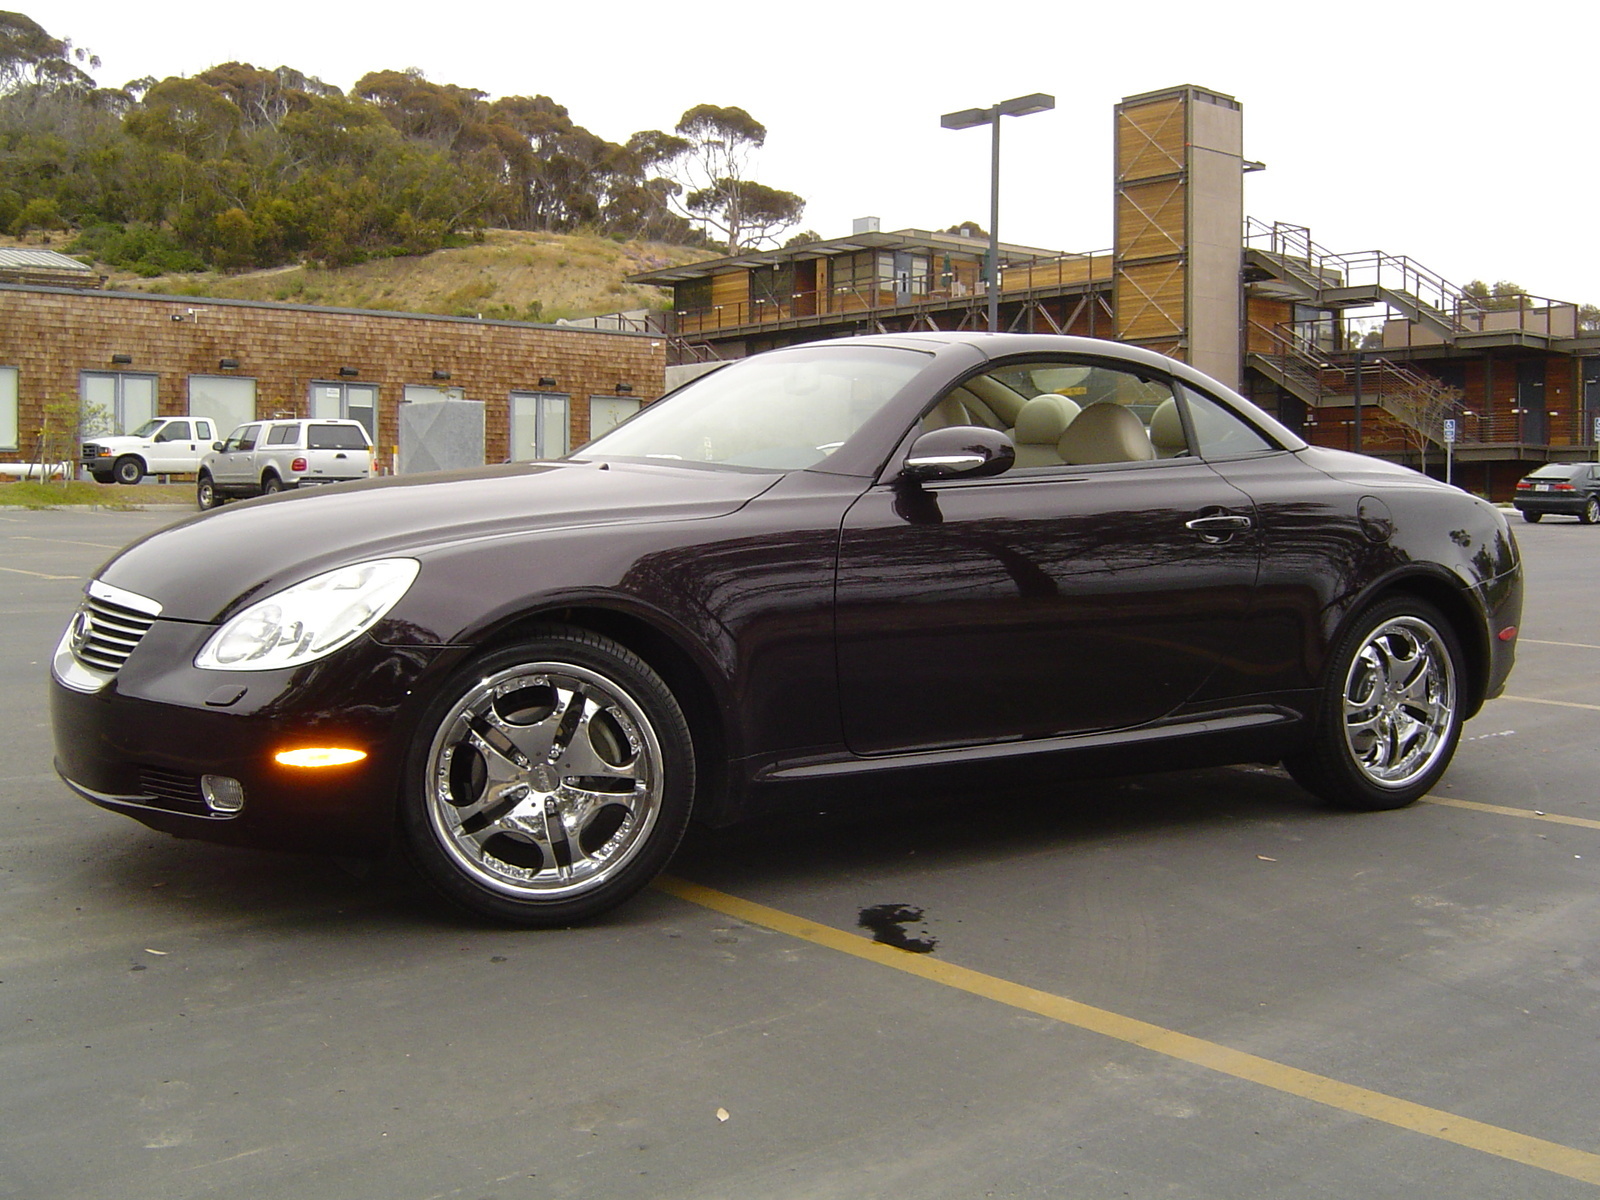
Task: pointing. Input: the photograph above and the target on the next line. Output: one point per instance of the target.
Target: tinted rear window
(336, 437)
(1558, 471)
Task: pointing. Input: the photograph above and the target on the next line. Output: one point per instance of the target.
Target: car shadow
(816, 835)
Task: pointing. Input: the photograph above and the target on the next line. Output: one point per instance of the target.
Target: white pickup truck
(265, 457)
(161, 446)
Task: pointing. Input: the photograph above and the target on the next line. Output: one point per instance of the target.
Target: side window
(1063, 413)
(174, 431)
(247, 437)
(1219, 432)
(282, 435)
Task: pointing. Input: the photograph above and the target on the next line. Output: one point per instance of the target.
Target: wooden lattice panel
(1149, 301)
(1150, 139)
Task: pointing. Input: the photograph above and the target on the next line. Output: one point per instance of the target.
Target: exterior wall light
(547, 381)
(122, 359)
(228, 364)
(441, 374)
(349, 371)
(623, 389)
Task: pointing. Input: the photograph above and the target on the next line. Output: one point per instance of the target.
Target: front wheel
(1532, 518)
(551, 781)
(1591, 511)
(1389, 718)
(128, 469)
(206, 493)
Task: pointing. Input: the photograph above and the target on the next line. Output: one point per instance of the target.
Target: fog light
(319, 756)
(223, 795)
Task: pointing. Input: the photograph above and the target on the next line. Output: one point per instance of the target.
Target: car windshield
(782, 411)
(148, 427)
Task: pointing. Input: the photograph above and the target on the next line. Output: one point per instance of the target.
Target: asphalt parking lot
(1198, 985)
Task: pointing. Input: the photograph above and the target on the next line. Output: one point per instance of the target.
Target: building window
(229, 400)
(607, 412)
(538, 425)
(347, 401)
(692, 295)
(427, 393)
(120, 399)
(9, 433)
(856, 272)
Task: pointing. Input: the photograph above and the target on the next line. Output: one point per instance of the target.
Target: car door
(235, 462)
(1059, 598)
(173, 448)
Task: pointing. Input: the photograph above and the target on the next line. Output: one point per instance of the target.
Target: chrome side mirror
(959, 452)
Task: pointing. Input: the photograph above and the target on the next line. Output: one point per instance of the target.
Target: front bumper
(142, 743)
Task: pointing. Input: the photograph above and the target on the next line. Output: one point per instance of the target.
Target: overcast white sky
(1465, 142)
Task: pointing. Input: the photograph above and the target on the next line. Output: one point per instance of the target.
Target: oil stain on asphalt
(888, 924)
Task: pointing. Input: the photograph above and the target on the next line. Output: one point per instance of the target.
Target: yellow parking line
(1501, 810)
(1418, 1118)
(1557, 703)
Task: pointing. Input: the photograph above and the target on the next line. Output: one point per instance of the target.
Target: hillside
(511, 275)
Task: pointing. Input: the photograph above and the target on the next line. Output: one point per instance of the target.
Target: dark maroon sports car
(868, 557)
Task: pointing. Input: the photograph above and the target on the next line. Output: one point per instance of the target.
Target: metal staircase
(1329, 280)
(1416, 400)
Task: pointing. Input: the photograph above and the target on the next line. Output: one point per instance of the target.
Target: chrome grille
(108, 627)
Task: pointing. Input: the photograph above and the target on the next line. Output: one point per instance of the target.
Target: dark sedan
(892, 558)
(1563, 489)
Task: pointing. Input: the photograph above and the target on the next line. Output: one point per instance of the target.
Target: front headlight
(309, 620)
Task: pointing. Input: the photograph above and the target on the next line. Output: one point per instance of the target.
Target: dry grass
(511, 275)
(24, 493)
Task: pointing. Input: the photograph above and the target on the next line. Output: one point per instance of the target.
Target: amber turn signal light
(319, 756)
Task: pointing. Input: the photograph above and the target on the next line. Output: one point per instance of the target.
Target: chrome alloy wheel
(544, 781)
(1399, 702)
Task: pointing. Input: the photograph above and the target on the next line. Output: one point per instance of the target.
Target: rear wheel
(1531, 517)
(128, 469)
(551, 781)
(271, 485)
(1591, 511)
(1390, 714)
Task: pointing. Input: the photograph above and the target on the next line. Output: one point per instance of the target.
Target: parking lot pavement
(1199, 985)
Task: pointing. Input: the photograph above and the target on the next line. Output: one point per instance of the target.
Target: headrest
(1043, 419)
(1166, 430)
(1105, 433)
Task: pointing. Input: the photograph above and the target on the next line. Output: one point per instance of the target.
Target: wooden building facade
(130, 356)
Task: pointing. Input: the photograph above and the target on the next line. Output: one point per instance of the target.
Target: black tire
(206, 492)
(549, 782)
(271, 485)
(1531, 518)
(1591, 511)
(1389, 717)
(128, 469)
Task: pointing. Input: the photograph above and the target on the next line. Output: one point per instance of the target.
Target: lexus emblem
(81, 630)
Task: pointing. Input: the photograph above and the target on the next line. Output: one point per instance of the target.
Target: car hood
(199, 568)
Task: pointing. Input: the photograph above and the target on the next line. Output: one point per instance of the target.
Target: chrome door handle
(1219, 528)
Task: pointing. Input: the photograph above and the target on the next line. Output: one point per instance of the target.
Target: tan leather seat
(1040, 424)
(1105, 433)
(1166, 431)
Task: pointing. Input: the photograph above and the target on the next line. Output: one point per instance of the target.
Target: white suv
(264, 457)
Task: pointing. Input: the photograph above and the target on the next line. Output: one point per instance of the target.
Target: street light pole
(967, 118)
